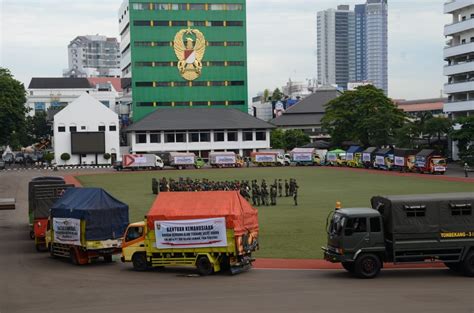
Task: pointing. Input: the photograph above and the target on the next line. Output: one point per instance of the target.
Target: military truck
(422, 229)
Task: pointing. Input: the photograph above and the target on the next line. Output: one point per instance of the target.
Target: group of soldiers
(264, 195)
(260, 194)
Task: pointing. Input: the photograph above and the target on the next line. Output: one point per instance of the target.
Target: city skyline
(281, 40)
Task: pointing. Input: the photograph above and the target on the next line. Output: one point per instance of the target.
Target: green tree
(277, 139)
(37, 127)
(364, 115)
(406, 135)
(277, 95)
(437, 127)
(266, 95)
(12, 108)
(295, 138)
(465, 138)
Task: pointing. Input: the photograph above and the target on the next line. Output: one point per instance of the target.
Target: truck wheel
(348, 266)
(108, 258)
(139, 262)
(74, 257)
(468, 264)
(225, 263)
(367, 266)
(204, 266)
(455, 267)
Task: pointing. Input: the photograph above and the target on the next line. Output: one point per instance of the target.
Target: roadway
(34, 282)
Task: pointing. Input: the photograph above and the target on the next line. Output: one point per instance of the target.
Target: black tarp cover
(438, 213)
(384, 151)
(106, 217)
(370, 150)
(425, 153)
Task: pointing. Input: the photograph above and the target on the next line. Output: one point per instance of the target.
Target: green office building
(184, 53)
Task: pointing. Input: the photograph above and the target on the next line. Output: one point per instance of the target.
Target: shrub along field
(286, 231)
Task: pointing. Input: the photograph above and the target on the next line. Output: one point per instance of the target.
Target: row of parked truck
(217, 231)
(404, 160)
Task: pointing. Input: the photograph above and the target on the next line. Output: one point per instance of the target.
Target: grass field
(286, 231)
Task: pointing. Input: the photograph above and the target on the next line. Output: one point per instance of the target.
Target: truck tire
(74, 257)
(348, 266)
(367, 266)
(108, 258)
(204, 266)
(139, 262)
(225, 263)
(468, 264)
(455, 267)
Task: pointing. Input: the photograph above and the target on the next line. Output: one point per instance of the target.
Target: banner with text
(191, 233)
(67, 231)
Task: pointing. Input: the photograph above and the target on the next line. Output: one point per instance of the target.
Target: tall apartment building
(336, 62)
(93, 56)
(184, 54)
(459, 55)
(376, 38)
(353, 45)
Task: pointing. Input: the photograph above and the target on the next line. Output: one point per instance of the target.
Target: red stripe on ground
(69, 179)
(302, 264)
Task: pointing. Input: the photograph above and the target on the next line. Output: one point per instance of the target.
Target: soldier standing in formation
(295, 195)
(154, 186)
(287, 188)
(280, 188)
(273, 194)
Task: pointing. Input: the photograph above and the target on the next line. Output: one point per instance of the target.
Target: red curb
(70, 179)
(302, 264)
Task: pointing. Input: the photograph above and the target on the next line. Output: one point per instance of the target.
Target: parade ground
(287, 231)
(35, 282)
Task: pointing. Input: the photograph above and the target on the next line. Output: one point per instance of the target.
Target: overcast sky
(34, 35)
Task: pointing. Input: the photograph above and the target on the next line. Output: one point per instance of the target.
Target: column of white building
(459, 55)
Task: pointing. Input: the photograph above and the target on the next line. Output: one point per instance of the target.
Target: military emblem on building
(190, 46)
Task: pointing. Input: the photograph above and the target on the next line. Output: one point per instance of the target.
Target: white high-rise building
(335, 51)
(459, 55)
(93, 56)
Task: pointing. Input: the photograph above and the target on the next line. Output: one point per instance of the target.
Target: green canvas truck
(435, 228)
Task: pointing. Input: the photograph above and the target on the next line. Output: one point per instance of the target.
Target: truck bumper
(332, 256)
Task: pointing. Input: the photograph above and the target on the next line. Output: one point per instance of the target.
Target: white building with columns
(199, 130)
(86, 130)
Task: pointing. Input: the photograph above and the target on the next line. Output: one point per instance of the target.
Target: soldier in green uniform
(295, 195)
(287, 188)
(154, 186)
(273, 194)
(280, 188)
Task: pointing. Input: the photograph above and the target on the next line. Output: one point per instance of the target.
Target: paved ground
(33, 282)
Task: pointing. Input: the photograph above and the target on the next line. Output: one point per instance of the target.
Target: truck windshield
(439, 162)
(337, 224)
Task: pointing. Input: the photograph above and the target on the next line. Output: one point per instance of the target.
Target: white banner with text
(191, 233)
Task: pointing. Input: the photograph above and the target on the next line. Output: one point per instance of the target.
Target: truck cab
(356, 240)
(133, 246)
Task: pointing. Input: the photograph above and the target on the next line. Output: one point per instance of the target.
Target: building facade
(353, 45)
(200, 130)
(84, 117)
(184, 54)
(93, 56)
(52, 94)
(459, 55)
(336, 60)
(376, 42)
